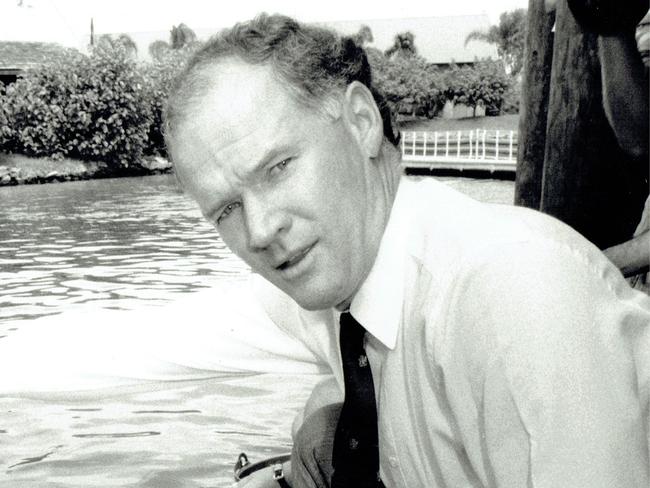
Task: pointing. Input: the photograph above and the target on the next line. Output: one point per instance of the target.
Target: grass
(501, 122)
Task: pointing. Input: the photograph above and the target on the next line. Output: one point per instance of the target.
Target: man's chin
(313, 304)
(316, 300)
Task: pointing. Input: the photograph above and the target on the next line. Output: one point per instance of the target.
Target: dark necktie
(355, 456)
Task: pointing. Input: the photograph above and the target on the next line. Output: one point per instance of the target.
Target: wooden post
(538, 56)
(587, 181)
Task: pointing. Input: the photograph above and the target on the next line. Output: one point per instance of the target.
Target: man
(504, 349)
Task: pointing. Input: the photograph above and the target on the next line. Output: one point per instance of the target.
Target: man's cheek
(235, 238)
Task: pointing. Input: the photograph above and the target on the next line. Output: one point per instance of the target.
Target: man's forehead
(235, 88)
(244, 114)
(232, 103)
(239, 101)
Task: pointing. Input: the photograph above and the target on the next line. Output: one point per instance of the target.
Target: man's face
(289, 189)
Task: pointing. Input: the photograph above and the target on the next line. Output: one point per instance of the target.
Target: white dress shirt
(506, 350)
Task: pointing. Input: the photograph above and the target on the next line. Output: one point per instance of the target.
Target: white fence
(480, 149)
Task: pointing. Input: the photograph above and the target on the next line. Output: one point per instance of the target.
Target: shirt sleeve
(547, 370)
(220, 331)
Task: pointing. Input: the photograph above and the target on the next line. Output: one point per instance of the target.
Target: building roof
(16, 56)
(440, 40)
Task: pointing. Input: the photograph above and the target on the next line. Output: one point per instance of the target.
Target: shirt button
(393, 462)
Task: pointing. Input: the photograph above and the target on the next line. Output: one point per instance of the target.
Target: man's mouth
(294, 258)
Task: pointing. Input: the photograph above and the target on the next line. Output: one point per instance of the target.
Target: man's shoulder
(450, 231)
(491, 263)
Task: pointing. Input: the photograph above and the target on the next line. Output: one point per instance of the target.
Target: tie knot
(352, 332)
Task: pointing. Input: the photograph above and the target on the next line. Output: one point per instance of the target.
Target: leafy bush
(410, 84)
(485, 82)
(5, 131)
(34, 115)
(87, 107)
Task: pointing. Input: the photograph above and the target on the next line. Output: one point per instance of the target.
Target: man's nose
(265, 221)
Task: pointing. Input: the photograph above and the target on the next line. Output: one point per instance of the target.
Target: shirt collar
(378, 303)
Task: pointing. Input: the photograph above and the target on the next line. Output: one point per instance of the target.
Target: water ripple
(35, 459)
(116, 435)
(166, 411)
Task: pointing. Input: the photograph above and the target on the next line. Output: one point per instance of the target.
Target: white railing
(479, 149)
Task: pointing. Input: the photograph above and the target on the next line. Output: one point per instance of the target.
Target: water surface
(114, 242)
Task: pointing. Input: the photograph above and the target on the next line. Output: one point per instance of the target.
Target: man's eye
(281, 166)
(228, 209)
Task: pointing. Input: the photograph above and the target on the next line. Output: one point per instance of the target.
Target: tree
(181, 36)
(409, 84)
(109, 41)
(158, 49)
(508, 36)
(485, 83)
(364, 36)
(403, 46)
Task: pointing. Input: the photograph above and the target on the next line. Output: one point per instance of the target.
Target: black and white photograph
(271, 244)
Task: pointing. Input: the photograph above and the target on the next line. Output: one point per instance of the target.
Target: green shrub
(93, 108)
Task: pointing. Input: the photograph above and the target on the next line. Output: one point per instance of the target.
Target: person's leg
(311, 457)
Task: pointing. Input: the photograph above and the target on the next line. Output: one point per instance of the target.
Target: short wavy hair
(314, 61)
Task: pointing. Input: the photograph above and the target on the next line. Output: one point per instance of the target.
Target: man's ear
(364, 118)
